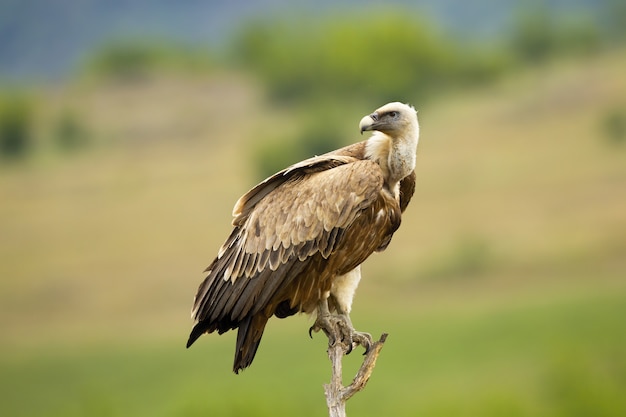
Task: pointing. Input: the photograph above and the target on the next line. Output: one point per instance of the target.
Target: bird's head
(392, 118)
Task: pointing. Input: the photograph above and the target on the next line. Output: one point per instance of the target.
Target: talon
(331, 339)
(338, 328)
(325, 323)
(363, 339)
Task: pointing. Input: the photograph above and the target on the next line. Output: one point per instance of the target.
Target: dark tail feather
(198, 330)
(248, 340)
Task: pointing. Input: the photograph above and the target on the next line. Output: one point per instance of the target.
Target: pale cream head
(391, 119)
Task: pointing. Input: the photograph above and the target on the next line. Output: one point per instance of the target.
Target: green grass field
(504, 292)
(559, 358)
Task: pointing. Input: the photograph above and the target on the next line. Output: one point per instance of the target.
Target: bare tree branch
(336, 394)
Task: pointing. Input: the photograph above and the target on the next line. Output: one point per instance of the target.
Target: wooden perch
(336, 393)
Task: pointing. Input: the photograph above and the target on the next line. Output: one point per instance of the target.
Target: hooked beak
(368, 122)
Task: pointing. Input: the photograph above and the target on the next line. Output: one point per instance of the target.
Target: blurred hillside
(504, 291)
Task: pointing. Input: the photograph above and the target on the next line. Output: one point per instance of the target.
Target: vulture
(300, 236)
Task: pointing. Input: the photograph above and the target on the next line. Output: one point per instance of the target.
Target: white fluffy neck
(395, 155)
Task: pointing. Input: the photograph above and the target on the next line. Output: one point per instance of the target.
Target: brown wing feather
(249, 200)
(407, 188)
(318, 163)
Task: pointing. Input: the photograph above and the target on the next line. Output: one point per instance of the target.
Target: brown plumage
(300, 231)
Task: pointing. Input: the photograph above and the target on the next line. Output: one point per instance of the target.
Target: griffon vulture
(300, 236)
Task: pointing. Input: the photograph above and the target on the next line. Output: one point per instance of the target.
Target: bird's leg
(338, 327)
(351, 336)
(325, 322)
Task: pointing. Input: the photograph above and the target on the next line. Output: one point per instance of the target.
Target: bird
(300, 236)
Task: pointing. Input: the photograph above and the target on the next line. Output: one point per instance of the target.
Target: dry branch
(336, 393)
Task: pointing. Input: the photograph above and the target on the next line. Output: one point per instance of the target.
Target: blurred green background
(129, 129)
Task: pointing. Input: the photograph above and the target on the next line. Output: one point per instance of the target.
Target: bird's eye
(393, 114)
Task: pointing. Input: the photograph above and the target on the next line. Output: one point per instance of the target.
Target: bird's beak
(368, 122)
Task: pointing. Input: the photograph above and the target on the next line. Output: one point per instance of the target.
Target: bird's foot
(338, 328)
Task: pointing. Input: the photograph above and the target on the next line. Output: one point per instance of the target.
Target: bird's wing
(279, 224)
(407, 188)
(248, 201)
